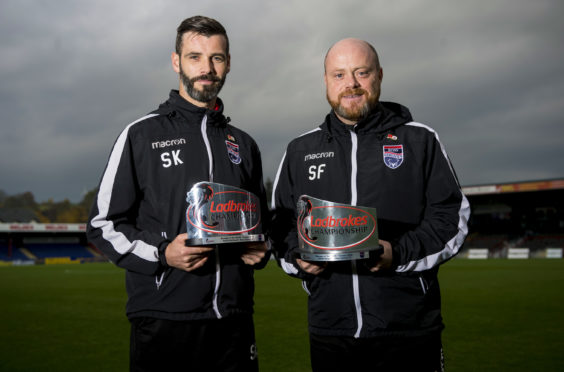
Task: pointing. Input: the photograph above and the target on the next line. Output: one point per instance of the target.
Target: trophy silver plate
(220, 214)
(330, 231)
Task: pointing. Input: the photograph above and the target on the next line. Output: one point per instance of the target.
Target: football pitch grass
(500, 315)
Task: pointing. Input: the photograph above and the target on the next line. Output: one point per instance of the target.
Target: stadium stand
(24, 243)
(516, 215)
(57, 250)
(492, 242)
(9, 252)
(536, 242)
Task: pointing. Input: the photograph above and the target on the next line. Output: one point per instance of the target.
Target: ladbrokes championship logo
(330, 231)
(220, 213)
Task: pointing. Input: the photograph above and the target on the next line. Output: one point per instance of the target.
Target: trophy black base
(334, 256)
(342, 256)
(225, 239)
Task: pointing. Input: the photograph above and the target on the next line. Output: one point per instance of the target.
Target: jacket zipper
(204, 128)
(217, 283)
(356, 291)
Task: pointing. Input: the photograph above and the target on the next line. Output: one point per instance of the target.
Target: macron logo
(319, 155)
(167, 143)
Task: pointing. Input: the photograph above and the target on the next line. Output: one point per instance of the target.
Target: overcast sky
(487, 75)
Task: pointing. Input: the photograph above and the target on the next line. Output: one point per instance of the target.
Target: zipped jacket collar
(385, 117)
(177, 104)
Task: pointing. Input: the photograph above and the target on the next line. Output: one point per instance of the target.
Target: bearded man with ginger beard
(382, 313)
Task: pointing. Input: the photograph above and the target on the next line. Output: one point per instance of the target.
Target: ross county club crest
(393, 156)
(233, 152)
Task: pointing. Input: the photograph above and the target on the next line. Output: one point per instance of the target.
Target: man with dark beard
(190, 307)
(382, 313)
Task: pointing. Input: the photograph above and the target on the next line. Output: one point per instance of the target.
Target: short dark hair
(202, 26)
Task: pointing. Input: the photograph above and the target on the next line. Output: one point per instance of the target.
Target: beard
(208, 92)
(355, 112)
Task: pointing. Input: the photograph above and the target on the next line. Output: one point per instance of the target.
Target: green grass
(501, 315)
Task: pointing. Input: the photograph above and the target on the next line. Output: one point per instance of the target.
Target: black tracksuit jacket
(399, 167)
(141, 207)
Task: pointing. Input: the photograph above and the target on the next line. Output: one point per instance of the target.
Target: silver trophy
(219, 214)
(330, 231)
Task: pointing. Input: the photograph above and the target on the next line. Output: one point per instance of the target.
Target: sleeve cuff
(162, 256)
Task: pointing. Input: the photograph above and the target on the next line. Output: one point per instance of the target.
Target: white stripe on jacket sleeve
(118, 240)
(288, 267)
(452, 247)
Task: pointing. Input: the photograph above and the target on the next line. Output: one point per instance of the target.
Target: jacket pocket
(394, 302)
(159, 278)
(424, 285)
(306, 289)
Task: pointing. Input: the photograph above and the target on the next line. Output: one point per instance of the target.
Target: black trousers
(398, 354)
(220, 345)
